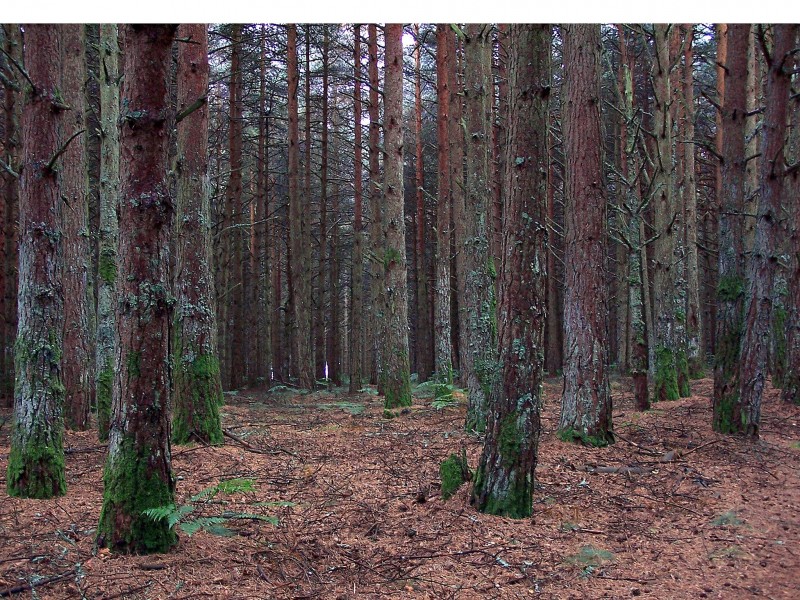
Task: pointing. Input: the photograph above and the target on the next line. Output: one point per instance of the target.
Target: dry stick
(642, 448)
(9, 591)
(251, 448)
(700, 447)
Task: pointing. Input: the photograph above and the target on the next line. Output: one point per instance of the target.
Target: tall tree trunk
(9, 228)
(76, 362)
(668, 357)
(394, 353)
(302, 357)
(586, 400)
(479, 331)
(554, 333)
(324, 297)
(263, 230)
(236, 294)
(138, 473)
(730, 300)
(457, 208)
(760, 274)
(109, 227)
(357, 274)
(634, 207)
(375, 200)
(36, 459)
(791, 381)
(443, 342)
(504, 480)
(424, 351)
(197, 384)
(694, 325)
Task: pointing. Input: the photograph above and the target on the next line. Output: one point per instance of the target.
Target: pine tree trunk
(730, 300)
(302, 357)
(791, 382)
(424, 349)
(197, 384)
(586, 400)
(665, 277)
(694, 325)
(479, 331)
(263, 230)
(73, 174)
(394, 353)
(634, 207)
(457, 207)
(12, 145)
(760, 274)
(356, 336)
(138, 473)
(36, 459)
(377, 299)
(325, 296)
(109, 228)
(504, 481)
(236, 293)
(443, 343)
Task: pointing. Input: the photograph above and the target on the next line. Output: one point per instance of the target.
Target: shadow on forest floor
(672, 510)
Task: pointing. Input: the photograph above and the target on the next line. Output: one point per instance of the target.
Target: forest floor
(672, 510)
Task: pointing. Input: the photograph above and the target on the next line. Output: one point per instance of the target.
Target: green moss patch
(453, 472)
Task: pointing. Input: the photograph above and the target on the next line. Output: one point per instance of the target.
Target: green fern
(214, 525)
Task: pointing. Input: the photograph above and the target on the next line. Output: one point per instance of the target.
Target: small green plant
(354, 408)
(453, 472)
(727, 518)
(589, 556)
(178, 515)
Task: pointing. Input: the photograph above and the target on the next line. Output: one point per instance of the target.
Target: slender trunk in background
(694, 325)
(138, 473)
(36, 459)
(755, 100)
(621, 305)
(263, 306)
(424, 349)
(633, 207)
(12, 145)
(394, 353)
(356, 336)
(196, 379)
(316, 285)
(441, 327)
(377, 299)
(479, 330)
(302, 357)
(554, 333)
(335, 343)
(504, 480)
(108, 230)
(586, 399)
(791, 382)
(236, 289)
(74, 183)
(456, 145)
(499, 121)
(667, 353)
(760, 273)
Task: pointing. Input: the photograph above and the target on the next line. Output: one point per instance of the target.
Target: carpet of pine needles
(672, 510)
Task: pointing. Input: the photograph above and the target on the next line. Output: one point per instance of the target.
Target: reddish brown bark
(77, 360)
(376, 281)
(424, 348)
(394, 345)
(356, 336)
(731, 261)
(761, 268)
(138, 473)
(441, 324)
(586, 400)
(9, 227)
(196, 376)
(36, 459)
(300, 288)
(504, 480)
